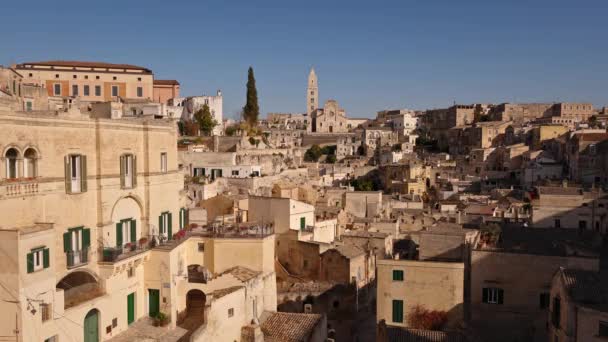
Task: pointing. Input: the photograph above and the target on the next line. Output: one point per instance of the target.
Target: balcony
(19, 187)
(115, 254)
(77, 258)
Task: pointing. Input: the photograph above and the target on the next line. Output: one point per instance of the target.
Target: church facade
(329, 119)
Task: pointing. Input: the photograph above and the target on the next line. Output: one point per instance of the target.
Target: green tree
(205, 120)
(251, 111)
(313, 153)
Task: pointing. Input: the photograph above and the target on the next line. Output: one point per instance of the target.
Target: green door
(131, 308)
(91, 326)
(153, 302)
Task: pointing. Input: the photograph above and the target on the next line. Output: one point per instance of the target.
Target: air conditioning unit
(307, 308)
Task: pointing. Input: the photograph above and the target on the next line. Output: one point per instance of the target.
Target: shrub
(423, 318)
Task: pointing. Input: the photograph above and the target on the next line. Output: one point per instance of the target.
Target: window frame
(398, 275)
(117, 92)
(55, 87)
(163, 162)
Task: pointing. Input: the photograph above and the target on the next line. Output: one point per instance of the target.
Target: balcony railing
(19, 187)
(77, 258)
(114, 254)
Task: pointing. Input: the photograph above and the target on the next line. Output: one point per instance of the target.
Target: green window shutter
(68, 174)
(67, 242)
(160, 224)
(122, 163)
(170, 229)
(181, 221)
(398, 311)
(119, 234)
(86, 238)
(302, 223)
(133, 231)
(83, 173)
(398, 275)
(30, 262)
(134, 172)
(45, 258)
(485, 295)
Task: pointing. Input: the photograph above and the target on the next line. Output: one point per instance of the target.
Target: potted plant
(142, 242)
(161, 319)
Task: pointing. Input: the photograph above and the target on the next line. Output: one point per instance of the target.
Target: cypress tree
(251, 111)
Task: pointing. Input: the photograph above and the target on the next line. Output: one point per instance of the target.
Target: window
(140, 92)
(556, 312)
(28, 106)
(114, 91)
(31, 75)
(128, 171)
(302, 223)
(114, 322)
(86, 90)
(139, 78)
(165, 225)
(97, 90)
(76, 243)
(602, 329)
(183, 218)
(582, 225)
(86, 77)
(305, 264)
(163, 162)
(544, 300)
(57, 89)
(557, 223)
(56, 75)
(235, 172)
(10, 160)
(201, 246)
(75, 173)
(398, 275)
(51, 339)
(114, 78)
(491, 295)
(96, 77)
(397, 311)
(37, 259)
(126, 232)
(74, 90)
(230, 312)
(45, 311)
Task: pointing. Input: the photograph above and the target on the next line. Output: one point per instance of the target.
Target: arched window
(30, 163)
(10, 159)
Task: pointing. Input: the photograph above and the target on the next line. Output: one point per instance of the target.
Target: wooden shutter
(398, 311)
(119, 234)
(83, 173)
(30, 262)
(181, 220)
(160, 224)
(68, 174)
(45, 258)
(133, 231)
(122, 171)
(134, 171)
(67, 242)
(86, 238)
(484, 295)
(500, 295)
(169, 225)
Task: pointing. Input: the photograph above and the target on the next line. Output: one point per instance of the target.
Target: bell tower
(312, 93)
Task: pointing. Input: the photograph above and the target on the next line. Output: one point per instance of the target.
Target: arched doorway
(195, 304)
(91, 326)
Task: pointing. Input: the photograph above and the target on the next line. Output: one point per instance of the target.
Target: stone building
(192, 104)
(329, 119)
(312, 93)
(164, 90)
(90, 81)
(578, 306)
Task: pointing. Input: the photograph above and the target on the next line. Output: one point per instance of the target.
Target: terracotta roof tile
(84, 64)
(289, 327)
(419, 335)
(166, 82)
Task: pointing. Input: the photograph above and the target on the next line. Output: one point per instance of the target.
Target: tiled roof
(166, 82)
(225, 291)
(559, 190)
(586, 287)
(365, 234)
(419, 335)
(242, 273)
(84, 64)
(288, 327)
(348, 251)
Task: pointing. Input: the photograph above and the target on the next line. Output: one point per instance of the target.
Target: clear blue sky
(369, 55)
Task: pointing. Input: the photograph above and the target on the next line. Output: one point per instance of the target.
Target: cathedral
(329, 119)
